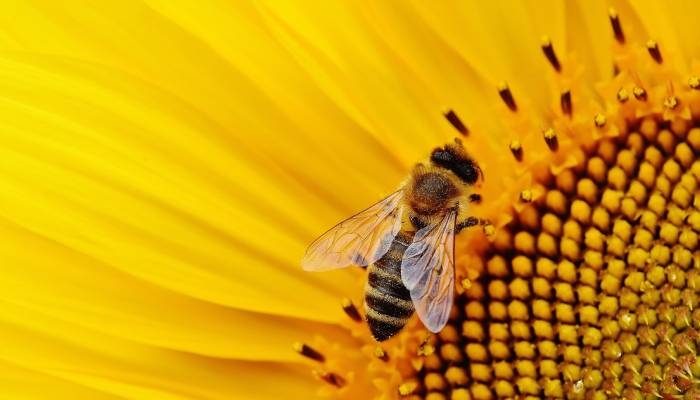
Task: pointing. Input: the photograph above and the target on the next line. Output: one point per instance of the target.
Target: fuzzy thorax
(431, 192)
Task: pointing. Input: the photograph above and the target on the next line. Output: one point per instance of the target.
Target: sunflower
(164, 164)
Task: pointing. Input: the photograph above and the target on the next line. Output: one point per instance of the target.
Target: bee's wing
(427, 271)
(359, 240)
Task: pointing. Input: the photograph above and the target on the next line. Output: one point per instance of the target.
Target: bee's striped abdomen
(388, 303)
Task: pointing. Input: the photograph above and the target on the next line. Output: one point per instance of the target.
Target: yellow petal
(500, 40)
(590, 37)
(128, 370)
(22, 383)
(85, 292)
(162, 199)
(440, 76)
(679, 20)
(664, 27)
(347, 49)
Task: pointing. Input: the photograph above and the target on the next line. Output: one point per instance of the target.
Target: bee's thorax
(432, 193)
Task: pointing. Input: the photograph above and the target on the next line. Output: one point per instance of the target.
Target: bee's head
(455, 158)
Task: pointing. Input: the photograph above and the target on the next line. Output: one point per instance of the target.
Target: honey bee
(407, 242)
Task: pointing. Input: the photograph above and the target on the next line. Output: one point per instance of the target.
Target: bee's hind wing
(427, 271)
(359, 240)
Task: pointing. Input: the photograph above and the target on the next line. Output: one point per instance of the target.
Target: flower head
(165, 164)
(585, 286)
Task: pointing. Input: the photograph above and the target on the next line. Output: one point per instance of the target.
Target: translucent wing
(359, 240)
(427, 271)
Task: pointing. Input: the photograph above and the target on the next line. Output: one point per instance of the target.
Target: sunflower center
(592, 291)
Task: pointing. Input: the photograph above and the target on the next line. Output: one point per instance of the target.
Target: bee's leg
(475, 198)
(469, 222)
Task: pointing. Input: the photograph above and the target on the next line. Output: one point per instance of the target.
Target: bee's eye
(468, 171)
(465, 169)
(442, 157)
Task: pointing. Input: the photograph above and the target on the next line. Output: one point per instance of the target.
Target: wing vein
(427, 270)
(359, 240)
